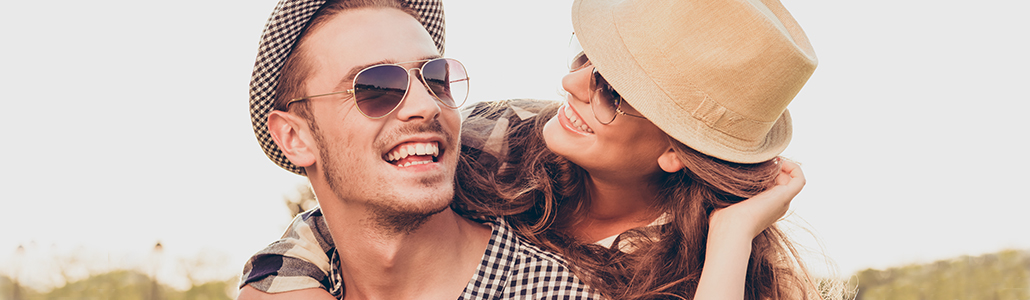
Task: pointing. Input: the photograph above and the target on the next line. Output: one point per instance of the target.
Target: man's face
(356, 154)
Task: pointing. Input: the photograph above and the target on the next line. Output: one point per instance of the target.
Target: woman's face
(627, 147)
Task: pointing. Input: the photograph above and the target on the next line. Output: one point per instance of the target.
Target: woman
(674, 116)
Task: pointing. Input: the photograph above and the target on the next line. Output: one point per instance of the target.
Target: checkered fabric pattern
(298, 260)
(282, 31)
(510, 269)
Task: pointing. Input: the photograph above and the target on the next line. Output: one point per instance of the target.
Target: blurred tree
(156, 256)
(304, 201)
(68, 266)
(10, 289)
(15, 286)
(203, 267)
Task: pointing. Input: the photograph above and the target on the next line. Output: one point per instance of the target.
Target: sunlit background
(126, 125)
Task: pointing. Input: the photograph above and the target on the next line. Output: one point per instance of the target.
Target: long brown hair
(542, 195)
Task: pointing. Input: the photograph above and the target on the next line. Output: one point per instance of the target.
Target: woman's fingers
(759, 212)
(791, 177)
(790, 181)
(794, 170)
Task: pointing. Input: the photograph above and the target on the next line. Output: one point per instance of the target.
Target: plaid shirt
(306, 257)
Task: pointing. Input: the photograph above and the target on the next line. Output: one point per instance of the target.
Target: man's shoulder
(527, 251)
(528, 272)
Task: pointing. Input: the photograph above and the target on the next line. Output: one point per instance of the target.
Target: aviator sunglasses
(378, 90)
(604, 100)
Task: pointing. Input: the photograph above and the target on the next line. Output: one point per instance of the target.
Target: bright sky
(127, 124)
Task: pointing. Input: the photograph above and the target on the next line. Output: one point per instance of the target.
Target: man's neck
(434, 261)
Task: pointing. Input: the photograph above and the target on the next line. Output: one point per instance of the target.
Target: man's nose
(419, 102)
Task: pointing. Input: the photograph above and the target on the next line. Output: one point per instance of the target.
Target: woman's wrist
(726, 227)
(729, 236)
(728, 249)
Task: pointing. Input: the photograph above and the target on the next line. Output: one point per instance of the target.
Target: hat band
(720, 118)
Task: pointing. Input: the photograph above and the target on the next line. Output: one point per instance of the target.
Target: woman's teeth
(576, 122)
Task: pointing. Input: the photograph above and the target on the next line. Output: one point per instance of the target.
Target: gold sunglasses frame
(576, 65)
(421, 79)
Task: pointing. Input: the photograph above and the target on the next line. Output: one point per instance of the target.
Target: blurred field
(118, 285)
(39, 273)
(1003, 275)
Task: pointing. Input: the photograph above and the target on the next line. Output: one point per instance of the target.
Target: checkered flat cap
(281, 33)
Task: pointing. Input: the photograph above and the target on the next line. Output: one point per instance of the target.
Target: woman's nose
(577, 84)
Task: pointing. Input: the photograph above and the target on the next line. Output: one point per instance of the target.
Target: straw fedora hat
(716, 75)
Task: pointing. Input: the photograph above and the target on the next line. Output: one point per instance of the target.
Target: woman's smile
(572, 121)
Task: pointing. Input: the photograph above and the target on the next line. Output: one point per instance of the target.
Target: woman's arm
(249, 293)
(297, 261)
(731, 230)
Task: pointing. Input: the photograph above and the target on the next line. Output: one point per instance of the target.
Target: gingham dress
(510, 268)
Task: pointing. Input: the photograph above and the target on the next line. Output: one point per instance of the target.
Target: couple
(658, 177)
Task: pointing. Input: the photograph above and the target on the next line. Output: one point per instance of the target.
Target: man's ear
(291, 133)
(670, 161)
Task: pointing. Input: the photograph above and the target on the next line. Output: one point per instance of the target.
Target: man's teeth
(410, 149)
(410, 163)
(576, 121)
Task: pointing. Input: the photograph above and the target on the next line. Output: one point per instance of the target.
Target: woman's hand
(754, 215)
(732, 229)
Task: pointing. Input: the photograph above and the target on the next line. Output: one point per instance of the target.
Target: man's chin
(393, 220)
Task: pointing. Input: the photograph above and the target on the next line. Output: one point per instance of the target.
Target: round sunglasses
(604, 100)
(378, 90)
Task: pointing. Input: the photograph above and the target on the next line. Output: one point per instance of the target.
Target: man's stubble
(388, 212)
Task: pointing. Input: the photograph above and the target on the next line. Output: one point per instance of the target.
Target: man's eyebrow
(345, 82)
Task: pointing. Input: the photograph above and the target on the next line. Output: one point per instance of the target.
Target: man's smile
(413, 153)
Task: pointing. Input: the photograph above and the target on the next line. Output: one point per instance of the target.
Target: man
(360, 102)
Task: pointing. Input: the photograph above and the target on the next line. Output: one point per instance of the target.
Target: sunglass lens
(378, 90)
(577, 58)
(447, 80)
(577, 62)
(605, 99)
